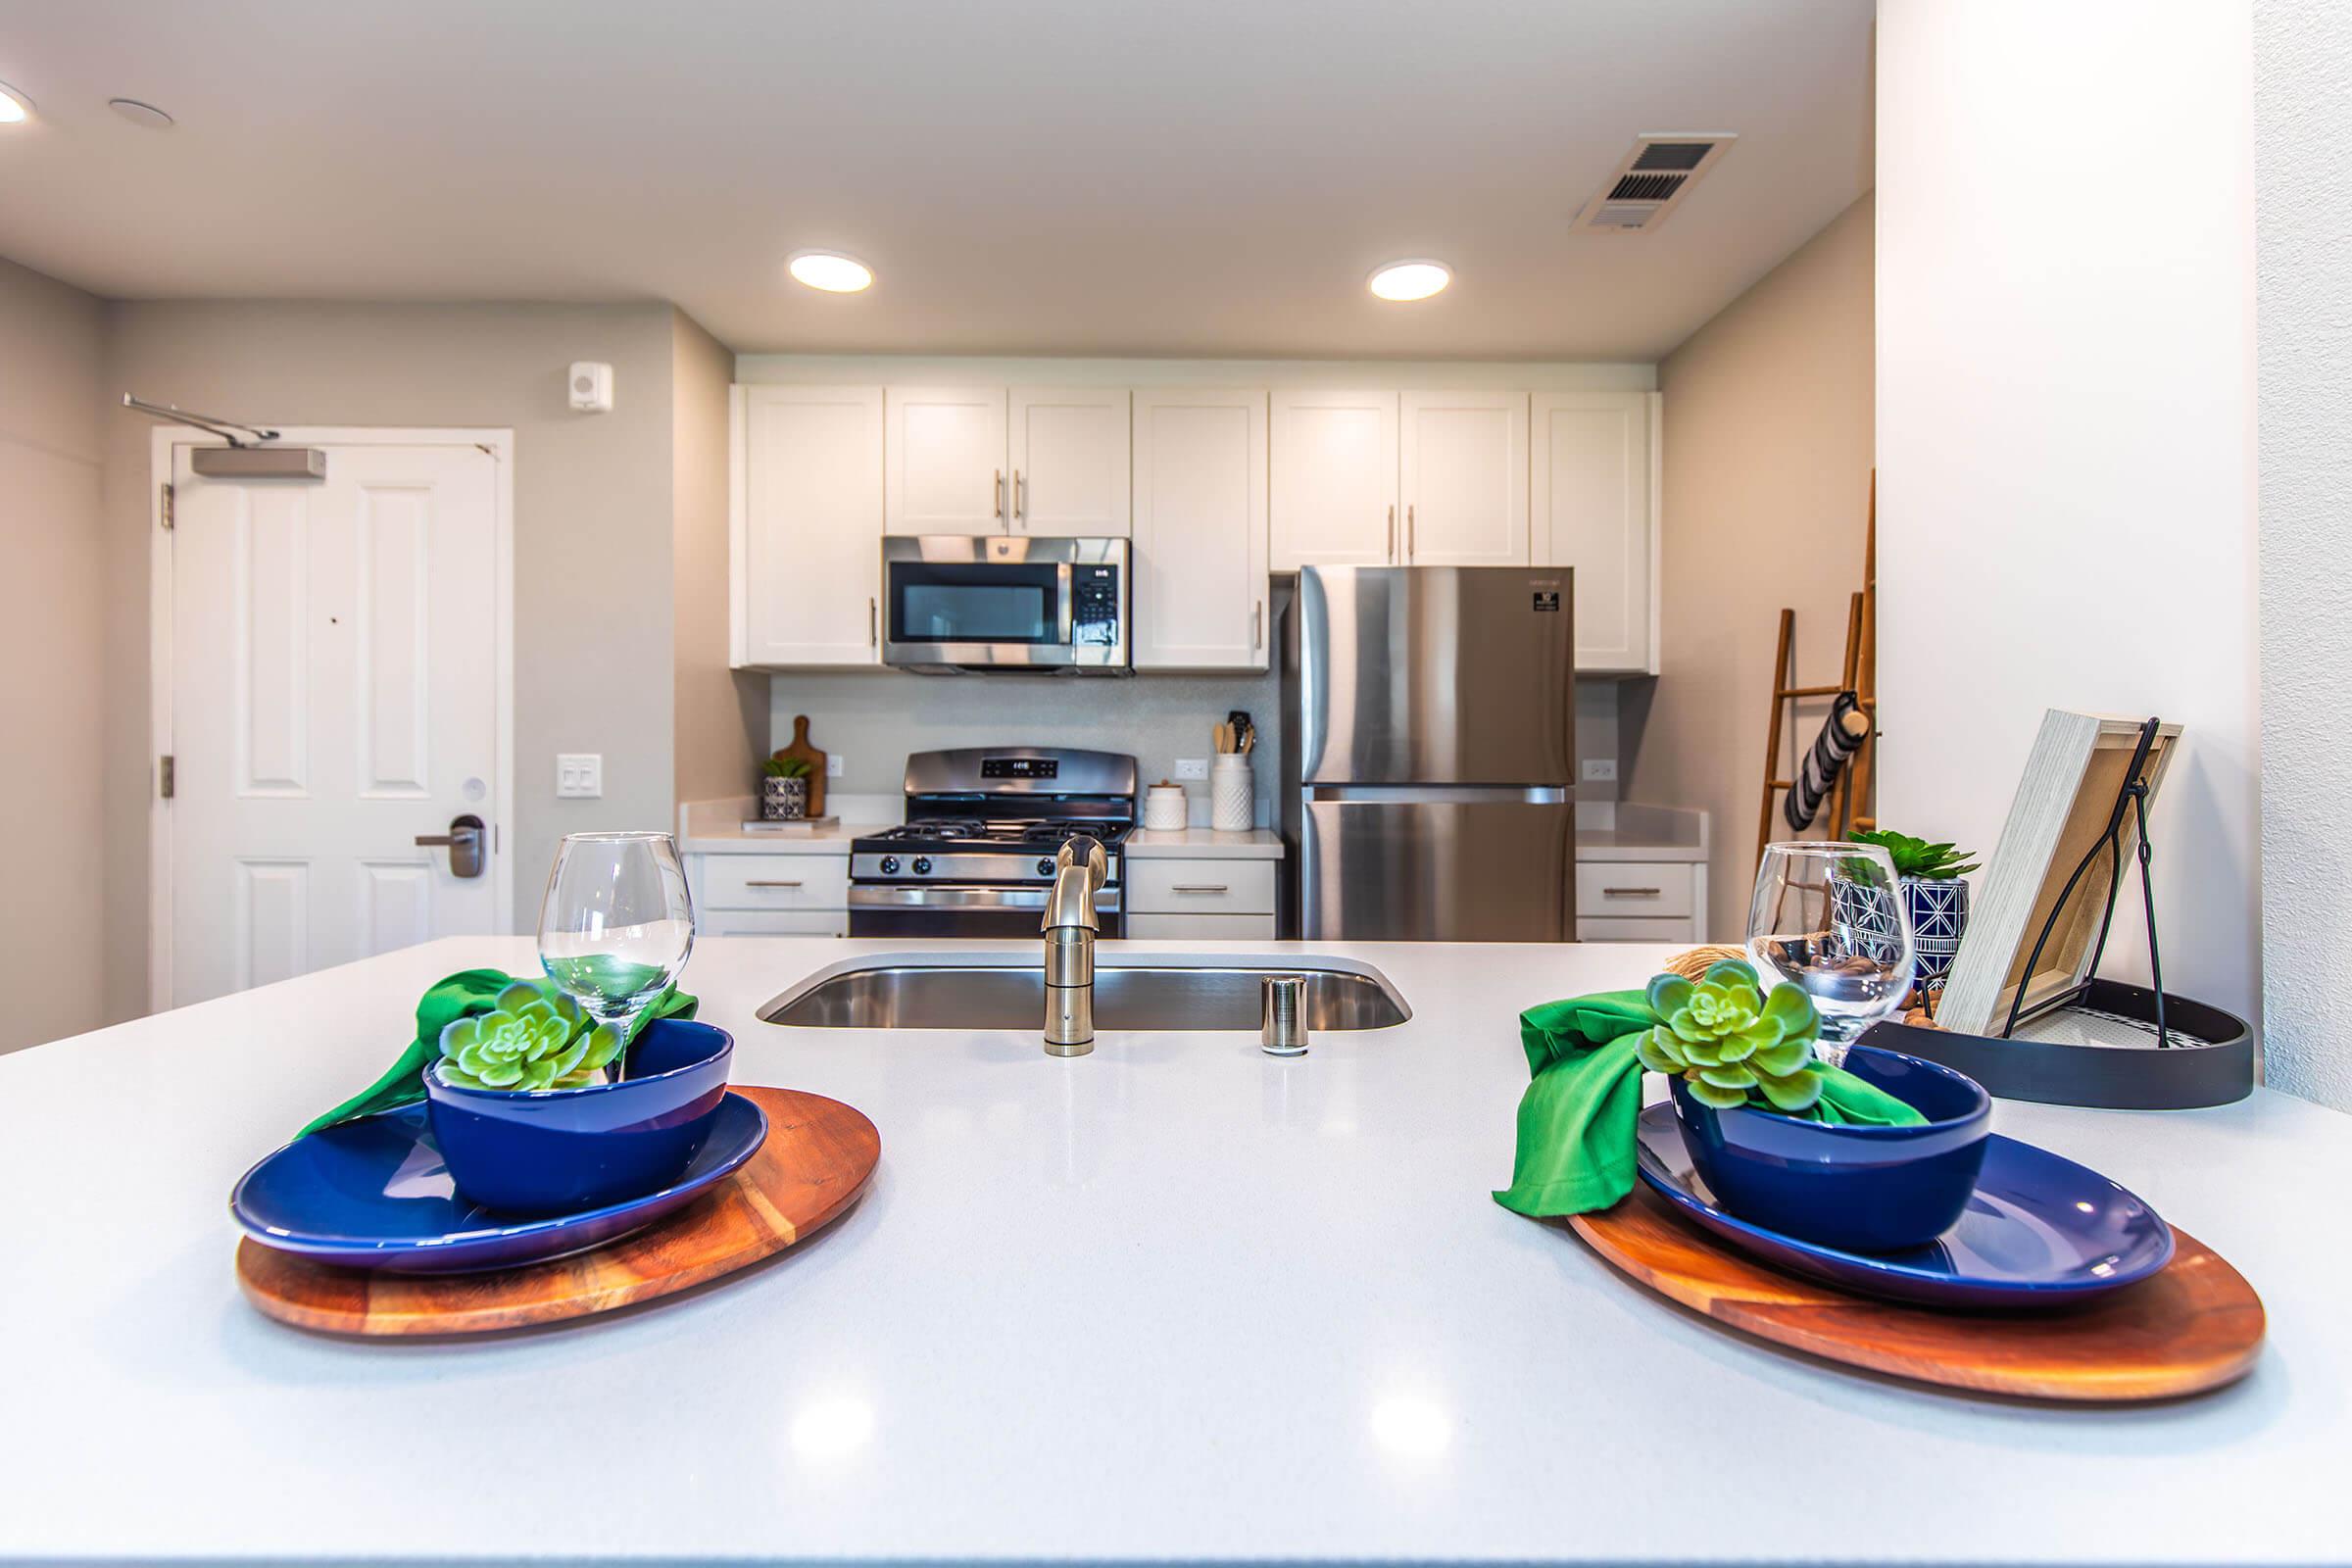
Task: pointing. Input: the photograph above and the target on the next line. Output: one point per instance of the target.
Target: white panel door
(1334, 467)
(946, 452)
(1200, 530)
(1070, 462)
(812, 524)
(333, 697)
(1463, 467)
(1592, 509)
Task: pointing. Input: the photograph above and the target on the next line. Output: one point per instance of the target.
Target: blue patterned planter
(1938, 915)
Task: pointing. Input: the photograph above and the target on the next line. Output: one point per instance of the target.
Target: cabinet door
(1200, 530)
(947, 460)
(1462, 478)
(1069, 462)
(811, 529)
(1590, 477)
(1334, 479)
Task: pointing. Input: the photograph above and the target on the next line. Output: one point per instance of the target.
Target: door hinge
(168, 500)
(162, 775)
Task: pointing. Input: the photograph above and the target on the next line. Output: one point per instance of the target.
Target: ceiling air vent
(1653, 178)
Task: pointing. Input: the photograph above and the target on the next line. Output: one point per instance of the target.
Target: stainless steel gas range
(976, 855)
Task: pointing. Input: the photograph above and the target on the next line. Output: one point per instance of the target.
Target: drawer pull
(1630, 892)
(1199, 887)
(754, 883)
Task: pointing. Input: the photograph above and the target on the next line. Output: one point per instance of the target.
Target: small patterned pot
(783, 800)
(1938, 915)
(1862, 919)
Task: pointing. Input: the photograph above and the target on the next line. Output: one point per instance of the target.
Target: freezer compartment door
(1437, 675)
(1437, 867)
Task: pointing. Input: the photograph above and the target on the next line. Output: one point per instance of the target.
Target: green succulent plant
(786, 767)
(1727, 1040)
(530, 1039)
(1936, 862)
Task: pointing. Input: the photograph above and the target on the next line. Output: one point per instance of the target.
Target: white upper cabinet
(1463, 479)
(946, 466)
(1334, 457)
(1592, 473)
(807, 534)
(1069, 462)
(1200, 530)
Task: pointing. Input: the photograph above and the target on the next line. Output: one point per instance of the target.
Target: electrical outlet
(832, 764)
(1191, 767)
(579, 775)
(1600, 770)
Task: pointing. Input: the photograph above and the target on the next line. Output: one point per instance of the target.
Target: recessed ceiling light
(139, 114)
(831, 271)
(14, 107)
(1411, 280)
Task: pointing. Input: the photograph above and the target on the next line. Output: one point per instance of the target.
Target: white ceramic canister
(1165, 810)
(1232, 794)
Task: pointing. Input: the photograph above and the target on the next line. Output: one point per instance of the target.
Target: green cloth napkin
(1575, 1120)
(462, 995)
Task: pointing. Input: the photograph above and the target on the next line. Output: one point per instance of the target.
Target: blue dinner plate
(375, 1194)
(2038, 1231)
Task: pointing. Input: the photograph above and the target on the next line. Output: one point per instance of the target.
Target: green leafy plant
(530, 1039)
(1727, 1040)
(786, 767)
(1934, 862)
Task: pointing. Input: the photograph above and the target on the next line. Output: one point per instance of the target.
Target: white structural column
(2066, 429)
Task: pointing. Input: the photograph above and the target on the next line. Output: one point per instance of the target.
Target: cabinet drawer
(1201, 927)
(1199, 887)
(776, 881)
(1631, 888)
(1590, 928)
(773, 923)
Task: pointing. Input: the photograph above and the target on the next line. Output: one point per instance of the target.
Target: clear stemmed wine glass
(616, 923)
(1831, 918)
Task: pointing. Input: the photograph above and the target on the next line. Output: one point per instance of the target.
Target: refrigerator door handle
(1441, 794)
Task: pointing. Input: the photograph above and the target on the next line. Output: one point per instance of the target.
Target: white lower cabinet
(1207, 901)
(1200, 530)
(770, 895)
(1640, 901)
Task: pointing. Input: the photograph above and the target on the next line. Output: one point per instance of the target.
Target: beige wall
(1767, 488)
(592, 535)
(52, 656)
(719, 720)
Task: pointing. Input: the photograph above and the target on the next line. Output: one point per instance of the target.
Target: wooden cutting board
(2194, 1325)
(816, 760)
(818, 1156)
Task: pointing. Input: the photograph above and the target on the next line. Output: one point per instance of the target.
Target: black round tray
(2177, 1077)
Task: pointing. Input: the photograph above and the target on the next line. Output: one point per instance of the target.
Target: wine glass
(616, 923)
(1831, 918)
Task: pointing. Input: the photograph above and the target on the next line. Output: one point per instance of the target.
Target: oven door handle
(967, 896)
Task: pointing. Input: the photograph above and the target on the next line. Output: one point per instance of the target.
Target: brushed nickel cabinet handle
(1410, 532)
(756, 883)
(1199, 887)
(1392, 531)
(873, 623)
(999, 511)
(1630, 892)
(1257, 623)
(1021, 496)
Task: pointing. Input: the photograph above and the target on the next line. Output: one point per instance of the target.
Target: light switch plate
(579, 775)
(1600, 770)
(832, 764)
(1191, 767)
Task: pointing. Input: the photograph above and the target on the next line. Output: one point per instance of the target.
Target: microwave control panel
(1095, 605)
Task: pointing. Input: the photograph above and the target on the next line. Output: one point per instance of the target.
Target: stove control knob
(890, 865)
(922, 865)
(1045, 867)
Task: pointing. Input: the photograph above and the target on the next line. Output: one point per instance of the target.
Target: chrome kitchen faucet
(1079, 869)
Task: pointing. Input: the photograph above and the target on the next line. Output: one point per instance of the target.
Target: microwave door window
(977, 613)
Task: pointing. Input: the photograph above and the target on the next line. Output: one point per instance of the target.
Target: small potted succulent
(784, 791)
(1934, 895)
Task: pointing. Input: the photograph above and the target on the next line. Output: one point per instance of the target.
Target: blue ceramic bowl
(558, 1151)
(1857, 1188)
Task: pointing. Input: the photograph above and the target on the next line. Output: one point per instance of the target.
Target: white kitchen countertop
(1631, 831)
(1205, 844)
(716, 828)
(1175, 1301)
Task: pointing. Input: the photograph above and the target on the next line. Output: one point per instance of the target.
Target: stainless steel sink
(895, 993)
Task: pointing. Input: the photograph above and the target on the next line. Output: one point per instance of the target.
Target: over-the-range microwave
(1002, 603)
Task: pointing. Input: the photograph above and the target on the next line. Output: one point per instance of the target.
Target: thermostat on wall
(592, 387)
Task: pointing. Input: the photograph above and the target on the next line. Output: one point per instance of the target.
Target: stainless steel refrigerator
(1429, 754)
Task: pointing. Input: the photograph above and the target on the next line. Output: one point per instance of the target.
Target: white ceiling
(1199, 177)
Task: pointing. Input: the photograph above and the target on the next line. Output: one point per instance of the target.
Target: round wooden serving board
(818, 1156)
(2194, 1325)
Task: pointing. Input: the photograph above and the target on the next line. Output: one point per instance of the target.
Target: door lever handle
(463, 841)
